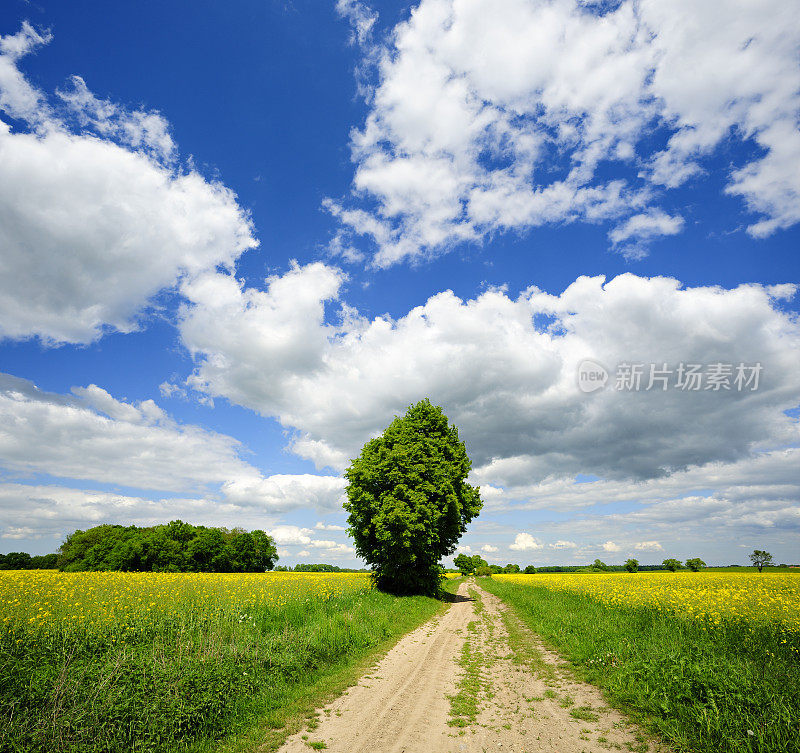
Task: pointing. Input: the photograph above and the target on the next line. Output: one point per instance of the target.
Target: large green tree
(409, 501)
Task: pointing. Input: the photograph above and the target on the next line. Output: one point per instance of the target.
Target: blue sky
(236, 240)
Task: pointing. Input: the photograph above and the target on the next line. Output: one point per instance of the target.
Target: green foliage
(468, 565)
(189, 679)
(509, 568)
(464, 564)
(732, 686)
(695, 564)
(530, 570)
(632, 565)
(176, 547)
(600, 566)
(483, 571)
(672, 564)
(321, 568)
(478, 561)
(24, 561)
(408, 500)
(760, 559)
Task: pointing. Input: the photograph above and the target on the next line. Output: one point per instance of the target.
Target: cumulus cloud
(489, 549)
(90, 435)
(648, 546)
(488, 116)
(288, 492)
(524, 542)
(291, 535)
(96, 215)
(505, 371)
(610, 546)
(320, 526)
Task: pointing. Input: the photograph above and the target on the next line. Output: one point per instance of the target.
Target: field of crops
(161, 661)
(710, 660)
(709, 598)
(121, 606)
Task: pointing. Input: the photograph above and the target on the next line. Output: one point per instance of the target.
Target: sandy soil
(527, 701)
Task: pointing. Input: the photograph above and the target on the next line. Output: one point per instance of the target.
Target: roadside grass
(210, 683)
(732, 686)
(465, 702)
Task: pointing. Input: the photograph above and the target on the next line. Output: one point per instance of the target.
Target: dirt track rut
(527, 702)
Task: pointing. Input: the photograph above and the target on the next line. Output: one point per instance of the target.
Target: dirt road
(471, 680)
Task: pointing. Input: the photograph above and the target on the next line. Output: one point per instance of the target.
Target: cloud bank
(96, 214)
(505, 370)
(497, 115)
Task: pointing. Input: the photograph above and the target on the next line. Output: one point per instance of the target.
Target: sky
(237, 239)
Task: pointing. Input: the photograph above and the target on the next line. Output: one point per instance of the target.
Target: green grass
(735, 688)
(217, 685)
(464, 703)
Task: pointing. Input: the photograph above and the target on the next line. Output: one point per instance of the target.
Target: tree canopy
(175, 547)
(760, 558)
(24, 561)
(467, 565)
(408, 500)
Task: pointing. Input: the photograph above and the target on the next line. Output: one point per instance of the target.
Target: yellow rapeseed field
(116, 603)
(708, 596)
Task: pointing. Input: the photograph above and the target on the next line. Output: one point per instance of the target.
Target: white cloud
(489, 549)
(96, 223)
(524, 542)
(167, 389)
(320, 526)
(90, 435)
(288, 534)
(254, 344)
(58, 510)
(707, 511)
(137, 129)
(361, 17)
(648, 546)
(287, 492)
(640, 228)
(765, 475)
(488, 116)
(23, 532)
(17, 96)
(504, 369)
(564, 545)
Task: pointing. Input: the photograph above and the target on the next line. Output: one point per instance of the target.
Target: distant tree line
(174, 547)
(321, 568)
(475, 564)
(24, 561)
